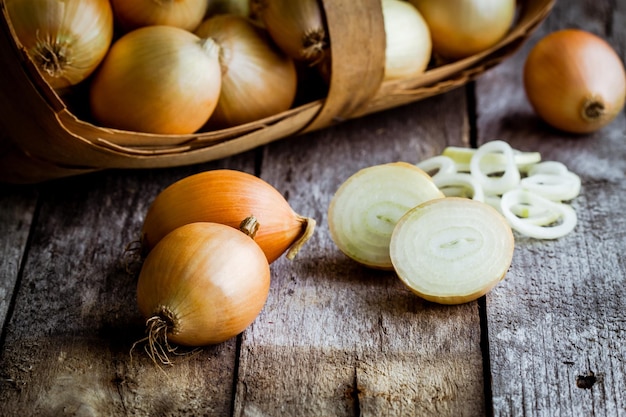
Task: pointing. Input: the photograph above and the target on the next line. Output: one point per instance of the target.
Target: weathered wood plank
(556, 324)
(339, 339)
(68, 342)
(17, 207)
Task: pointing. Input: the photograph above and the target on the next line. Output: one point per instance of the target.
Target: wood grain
(339, 339)
(17, 208)
(556, 324)
(335, 338)
(67, 349)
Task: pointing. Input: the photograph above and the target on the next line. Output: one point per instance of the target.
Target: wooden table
(334, 339)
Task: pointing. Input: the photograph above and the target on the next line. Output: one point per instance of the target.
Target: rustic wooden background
(335, 339)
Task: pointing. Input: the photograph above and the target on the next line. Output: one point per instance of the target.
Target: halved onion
(451, 250)
(366, 207)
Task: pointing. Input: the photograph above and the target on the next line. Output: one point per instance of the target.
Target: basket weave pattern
(41, 139)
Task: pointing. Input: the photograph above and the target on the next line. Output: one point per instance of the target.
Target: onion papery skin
(207, 281)
(408, 43)
(66, 40)
(258, 80)
(157, 79)
(227, 197)
(461, 28)
(452, 250)
(575, 81)
(184, 14)
(297, 27)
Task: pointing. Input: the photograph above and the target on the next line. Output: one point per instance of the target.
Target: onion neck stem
(308, 227)
(249, 226)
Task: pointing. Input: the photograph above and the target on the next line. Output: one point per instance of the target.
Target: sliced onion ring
(496, 162)
(451, 250)
(555, 187)
(437, 165)
(495, 185)
(548, 167)
(526, 226)
(461, 181)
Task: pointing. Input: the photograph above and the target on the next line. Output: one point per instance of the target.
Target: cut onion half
(452, 250)
(366, 207)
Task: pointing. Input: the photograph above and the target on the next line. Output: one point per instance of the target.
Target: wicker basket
(42, 139)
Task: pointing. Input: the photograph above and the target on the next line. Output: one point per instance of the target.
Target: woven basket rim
(92, 147)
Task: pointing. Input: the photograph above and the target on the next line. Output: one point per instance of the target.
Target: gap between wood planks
(472, 114)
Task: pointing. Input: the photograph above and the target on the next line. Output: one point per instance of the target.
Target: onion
(575, 81)
(366, 207)
(451, 250)
(297, 27)
(226, 196)
(491, 162)
(257, 79)
(557, 219)
(528, 192)
(459, 184)
(66, 40)
(510, 177)
(157, 79)
(238, 7)
(408, 43)
(185, 14)
(204, 283)
(460, 28)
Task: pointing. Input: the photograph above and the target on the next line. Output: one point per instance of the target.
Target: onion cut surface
(367, 206)
(451, 250)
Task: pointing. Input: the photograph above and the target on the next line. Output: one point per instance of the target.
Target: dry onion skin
(185, 14)
(203, 284)
(408, 43)
(366, 207)
(258, 80)
(452, 250)
(297, 27)
(227, 196)
(66, 40)
(157, 79)
(575, 81)
(460, 28)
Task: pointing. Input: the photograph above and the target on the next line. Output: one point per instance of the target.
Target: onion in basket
(460, 28)
(185, 14)
(258, 80)
(66, 40)
(157, 79)
(408, 45)
(297, 27)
